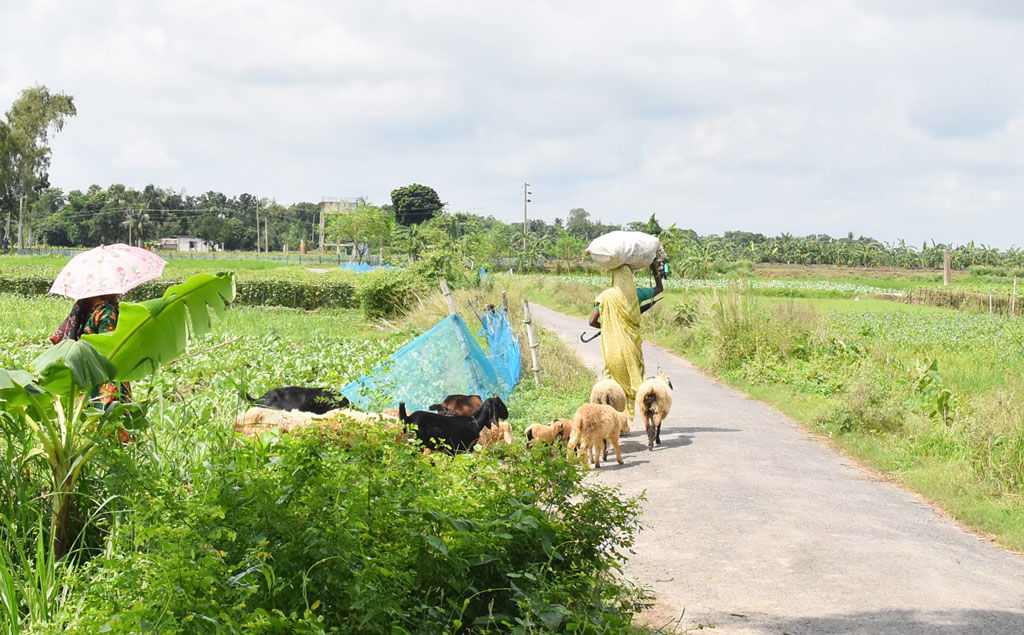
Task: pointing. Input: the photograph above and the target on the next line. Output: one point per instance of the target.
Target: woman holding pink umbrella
(95, 279)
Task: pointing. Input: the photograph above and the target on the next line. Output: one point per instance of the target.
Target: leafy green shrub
(874, 402)
(685, 313)
(311, 293)
(351, 532)
(387, 292)
(443, 264)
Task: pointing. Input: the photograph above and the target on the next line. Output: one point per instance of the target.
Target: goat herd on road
(462, 423)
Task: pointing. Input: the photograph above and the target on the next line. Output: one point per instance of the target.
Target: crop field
(188, 527)
(824, 288)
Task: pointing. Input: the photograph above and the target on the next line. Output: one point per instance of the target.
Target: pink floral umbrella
(106, 270)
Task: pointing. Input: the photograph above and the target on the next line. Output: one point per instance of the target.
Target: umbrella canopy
(106, 270)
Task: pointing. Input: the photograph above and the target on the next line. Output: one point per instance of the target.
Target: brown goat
(592, 425)
(461, 405)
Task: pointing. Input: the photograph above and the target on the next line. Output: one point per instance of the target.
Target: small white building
(185, 243)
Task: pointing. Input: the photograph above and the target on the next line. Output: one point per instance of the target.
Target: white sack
(636, 249)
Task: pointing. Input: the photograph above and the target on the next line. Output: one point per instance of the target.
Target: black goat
(316, 400)
(453, 434)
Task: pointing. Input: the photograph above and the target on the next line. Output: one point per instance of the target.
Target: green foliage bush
(352, 532)
(297, 294)
(443, 264)
(384, 293)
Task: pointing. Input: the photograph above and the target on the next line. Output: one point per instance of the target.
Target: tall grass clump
(734, 327)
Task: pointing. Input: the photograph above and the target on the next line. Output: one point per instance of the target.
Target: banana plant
(56, 402)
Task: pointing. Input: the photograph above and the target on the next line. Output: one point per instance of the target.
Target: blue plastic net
(361, 267)
(502, 347)
(445, 360)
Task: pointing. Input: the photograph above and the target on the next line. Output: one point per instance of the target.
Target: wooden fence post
(1013, 298)
(532, 341)
(477, 313)
(447, 294)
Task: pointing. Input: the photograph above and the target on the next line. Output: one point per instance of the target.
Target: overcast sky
(895, 119)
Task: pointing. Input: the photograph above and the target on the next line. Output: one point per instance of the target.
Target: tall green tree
(415, 203)
(362, 225)
(24, 153)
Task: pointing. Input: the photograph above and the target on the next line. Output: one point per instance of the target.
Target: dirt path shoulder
(754, 526)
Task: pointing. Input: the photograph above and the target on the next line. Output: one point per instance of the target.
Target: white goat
(653, 402)
(610, 393)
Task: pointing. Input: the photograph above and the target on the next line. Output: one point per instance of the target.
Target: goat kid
(559, 429)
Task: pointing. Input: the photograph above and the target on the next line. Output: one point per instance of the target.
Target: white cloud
(892, 119)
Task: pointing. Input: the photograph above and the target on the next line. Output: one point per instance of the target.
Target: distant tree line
(413, 223)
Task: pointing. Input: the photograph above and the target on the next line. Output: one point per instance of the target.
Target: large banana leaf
(153, 332)
(70, 362)
(17, 386)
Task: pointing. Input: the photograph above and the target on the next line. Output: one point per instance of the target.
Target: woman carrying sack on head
(617, 314)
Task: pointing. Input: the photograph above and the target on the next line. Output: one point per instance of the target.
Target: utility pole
(526, 199)
(130, 219)
(21, 205)
(257, 225)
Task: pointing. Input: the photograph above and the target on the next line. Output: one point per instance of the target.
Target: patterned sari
(90, 316)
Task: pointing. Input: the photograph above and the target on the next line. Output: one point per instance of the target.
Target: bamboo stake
(446, 292)
(478, 316)
(1013, 298)
(990, 304)
(532, 339)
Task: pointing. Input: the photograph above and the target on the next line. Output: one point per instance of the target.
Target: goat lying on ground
(257, 420)
(557, 430)
(464, 405)
(453, 434)
(316, 400)
(653, 401)
(610, 393)
(594, 424)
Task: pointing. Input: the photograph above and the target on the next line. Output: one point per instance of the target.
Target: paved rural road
(754, 526)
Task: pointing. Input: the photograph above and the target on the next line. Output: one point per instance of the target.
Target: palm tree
(138, 220)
